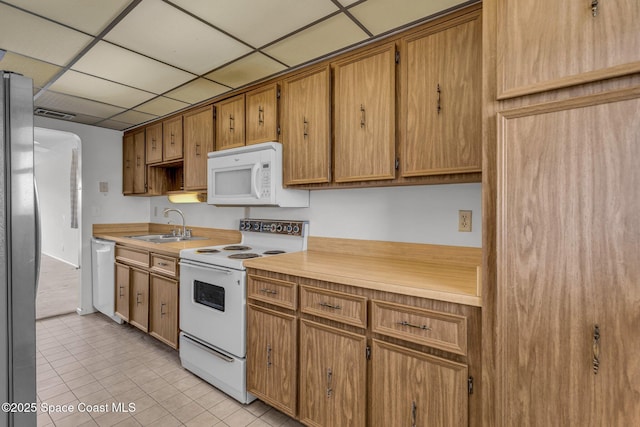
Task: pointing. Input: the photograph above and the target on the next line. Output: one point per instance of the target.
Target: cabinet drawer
(338, 306)
(273, 291)
(433, 328)
(136, 257)
(164, 264)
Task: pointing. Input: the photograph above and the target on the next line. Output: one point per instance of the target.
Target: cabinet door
(122, 291)
(409, 388)
(548, 44)
(128, 163)
(271, 357)
(153, 141)
(364, 122)
(441, 82)
(139, 299)
(164, 310)
(172, 139)
(139, 165)
(306, 127)
(230, 122)
(332, 376)
(198, 142)
(261, 115)
(568, 245)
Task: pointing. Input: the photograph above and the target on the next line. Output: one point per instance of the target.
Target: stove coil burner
(207, 251)
(273, 252)
(244, 255)
(236, 248)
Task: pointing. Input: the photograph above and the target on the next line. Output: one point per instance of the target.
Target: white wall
(101, 158)
(415, 214)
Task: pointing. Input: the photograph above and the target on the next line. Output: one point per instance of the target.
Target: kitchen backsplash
(414, 214)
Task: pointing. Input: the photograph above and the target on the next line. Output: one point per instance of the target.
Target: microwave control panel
(265, 179)
(292, 228)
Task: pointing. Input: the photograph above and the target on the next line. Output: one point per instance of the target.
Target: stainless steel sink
(164, 238)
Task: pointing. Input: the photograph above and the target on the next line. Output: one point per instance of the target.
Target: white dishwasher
(103, 277)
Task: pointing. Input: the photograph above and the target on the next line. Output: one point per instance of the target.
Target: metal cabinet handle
(594, 8)
(138, 298)
(128, 164)
(162, 313)
(329, 379)
(121, 293)
(137, 160)
(153, 143)
(423, 327)
(414, 413)
(305, 127)
(230, 122)
(327, 305)
(197, 149)
(269, 291)
(260, 115)
(362, 116)
(596, 349)
(163, 264)
(438, 103)
(268, 355)
(172, 138)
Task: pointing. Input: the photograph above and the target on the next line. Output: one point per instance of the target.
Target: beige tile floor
(91, 360)
(58, 288)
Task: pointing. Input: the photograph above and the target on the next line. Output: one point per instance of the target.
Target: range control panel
(292, 228)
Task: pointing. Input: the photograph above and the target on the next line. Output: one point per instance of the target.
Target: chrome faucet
(179, 212)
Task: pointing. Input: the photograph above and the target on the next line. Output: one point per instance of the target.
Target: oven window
(208, 294)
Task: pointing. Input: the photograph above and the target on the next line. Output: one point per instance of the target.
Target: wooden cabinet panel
(172, 139)
(153, 142)
(428, 327)
(133, 256)
(261, 114)
(546, 45)
(122, 291)
(410, 388)
(198, 142)
(164, 264)
(271, 357)
(338, 306)
(139, 165)
(567, 250)
(128, 163)
(163, 310)
(230, 122)
(332, 376)
(139, 299)
(306, 127)
(364, 128)
(441, 82)
(273, 291)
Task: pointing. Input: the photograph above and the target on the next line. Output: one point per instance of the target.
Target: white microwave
(250, 176)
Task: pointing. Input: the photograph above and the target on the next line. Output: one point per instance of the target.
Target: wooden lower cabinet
(271, 357)
(333, 373)
(139, 299)
(122, 291)
(410, 388)
(163, 309)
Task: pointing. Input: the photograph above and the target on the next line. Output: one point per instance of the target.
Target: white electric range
(213, 293)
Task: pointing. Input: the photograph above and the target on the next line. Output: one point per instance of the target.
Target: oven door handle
(209, 350)
(207, 268)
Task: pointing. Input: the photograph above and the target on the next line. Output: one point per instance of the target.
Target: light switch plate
(104, 187)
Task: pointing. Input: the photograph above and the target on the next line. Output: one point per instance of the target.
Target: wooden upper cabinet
(154, 143)
(364, 125)
(261, 114)
(172, 139)
(229, 122)
(440, 120)
(198, 142)
(306, 127)
(128, 163)
(139, 165)
(547, 44)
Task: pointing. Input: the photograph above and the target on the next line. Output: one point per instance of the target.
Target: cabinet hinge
(397, 163)
(278, 130)
(470, 385)
(397, 56)
(368, 353)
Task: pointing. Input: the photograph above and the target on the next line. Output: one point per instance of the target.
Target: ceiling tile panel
(384, 15)
(90, 16)
(41, 72)
(327, 36)
(85, 86)
(113, 124)
(133, 117)
(161, 106)
(67, 103)
(348, 2)
(28, 35)
(197, 90)
(161, 31)
(259, 22)
(246, 70)
(123, 66)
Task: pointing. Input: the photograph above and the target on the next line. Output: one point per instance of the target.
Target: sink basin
(164, 238)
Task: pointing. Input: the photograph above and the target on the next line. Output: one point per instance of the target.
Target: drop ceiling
(119, 63)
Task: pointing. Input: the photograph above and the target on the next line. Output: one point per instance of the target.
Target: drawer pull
(138, 298)
(268, 355)
(162, 312)
(121, 294)
(596, 349)
(327, 305)
(414, 411)
(423, 327)
(329, 380)
(163, 264)
(269, 291)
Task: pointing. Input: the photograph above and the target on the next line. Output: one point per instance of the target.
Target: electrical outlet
(464, 220)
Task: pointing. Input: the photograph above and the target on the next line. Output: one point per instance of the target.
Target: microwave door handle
(256, 189)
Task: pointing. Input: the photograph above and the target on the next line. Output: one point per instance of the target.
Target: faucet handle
(187, 233)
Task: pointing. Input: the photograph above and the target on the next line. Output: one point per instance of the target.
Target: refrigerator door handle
(38, 232)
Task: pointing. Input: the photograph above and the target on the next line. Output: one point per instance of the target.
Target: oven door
(212, 305)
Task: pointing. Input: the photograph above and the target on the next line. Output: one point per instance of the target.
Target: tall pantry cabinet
(562, 306)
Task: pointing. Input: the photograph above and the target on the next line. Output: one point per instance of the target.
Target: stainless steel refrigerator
(19, 249)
